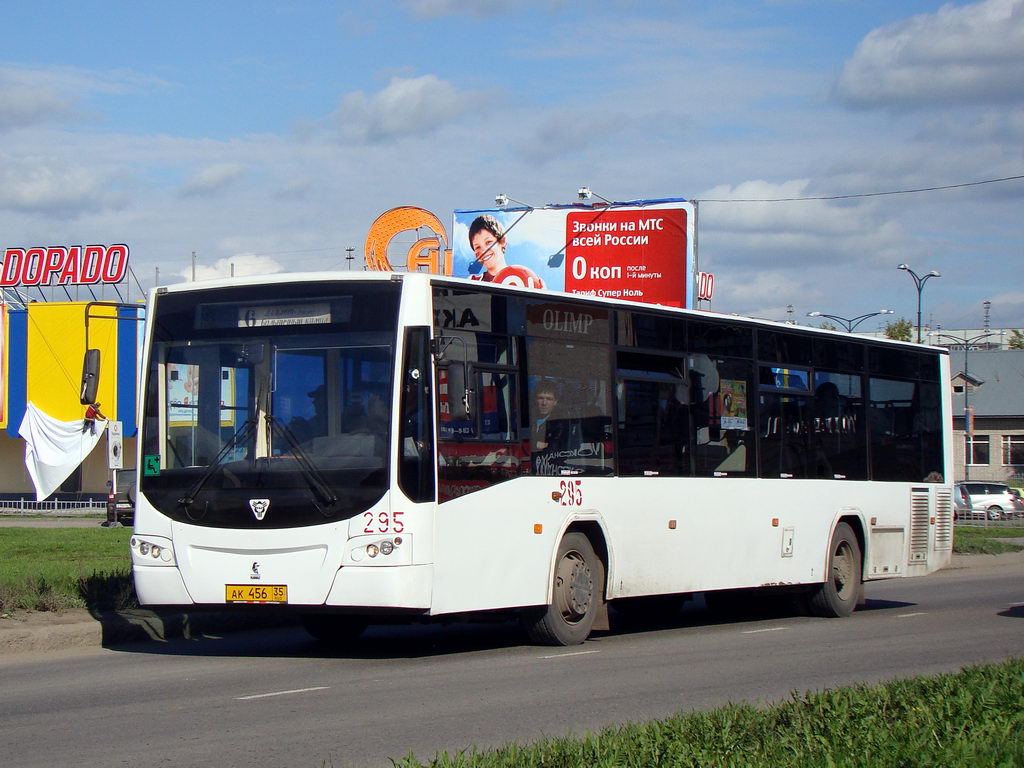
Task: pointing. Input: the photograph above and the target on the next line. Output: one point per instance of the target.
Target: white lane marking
(909, 615)
(757, 631)
(563, 655)
(281, 693)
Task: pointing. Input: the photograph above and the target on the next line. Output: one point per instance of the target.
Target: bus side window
(720, 393)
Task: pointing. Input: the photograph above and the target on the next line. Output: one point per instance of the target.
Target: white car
(989, 500)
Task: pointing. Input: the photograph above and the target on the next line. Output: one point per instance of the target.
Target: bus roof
(459, 282)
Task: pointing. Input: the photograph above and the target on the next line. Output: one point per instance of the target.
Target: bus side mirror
(90, 377)
(459, 395)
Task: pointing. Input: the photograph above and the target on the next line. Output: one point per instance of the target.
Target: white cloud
(437, 8)
(30, 97)
(22, 105)
(213, 178)
(959, 54)
(407, 106)
(242, 264)
(803, 232)
(48, 184)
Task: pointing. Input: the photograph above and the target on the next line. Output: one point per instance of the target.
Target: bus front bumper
(407, 586)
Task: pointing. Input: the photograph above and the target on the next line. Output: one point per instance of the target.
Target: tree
(826, 325)
(900, 330)
(1016, 340)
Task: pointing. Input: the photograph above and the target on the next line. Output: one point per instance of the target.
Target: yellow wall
(56, 346)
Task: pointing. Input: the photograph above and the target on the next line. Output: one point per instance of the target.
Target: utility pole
(193, 266)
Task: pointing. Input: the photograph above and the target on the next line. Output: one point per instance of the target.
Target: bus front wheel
(576, 596)
(838, 595)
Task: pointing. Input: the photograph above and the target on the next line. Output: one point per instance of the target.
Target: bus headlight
(391, 550)
(151, 550)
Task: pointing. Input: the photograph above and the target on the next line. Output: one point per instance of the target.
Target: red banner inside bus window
(64, 265)
(639, 255)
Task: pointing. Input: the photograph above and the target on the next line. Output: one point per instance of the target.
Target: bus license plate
(255, 593)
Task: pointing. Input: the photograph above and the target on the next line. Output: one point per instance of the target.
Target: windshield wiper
(313, 475)
(242, 432)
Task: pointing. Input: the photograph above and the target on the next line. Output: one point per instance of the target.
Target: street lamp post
(919, 281)
(851, 322)
(968, 427)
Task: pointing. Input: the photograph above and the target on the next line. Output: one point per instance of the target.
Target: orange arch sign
(430, 253)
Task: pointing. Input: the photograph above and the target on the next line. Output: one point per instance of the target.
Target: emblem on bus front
(259, 507)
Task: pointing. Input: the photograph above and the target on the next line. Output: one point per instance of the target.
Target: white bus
(349, 447)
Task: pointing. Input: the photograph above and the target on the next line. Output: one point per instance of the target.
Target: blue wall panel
(17, 367)
(127, 368)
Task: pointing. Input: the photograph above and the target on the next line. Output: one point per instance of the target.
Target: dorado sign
(64, 265)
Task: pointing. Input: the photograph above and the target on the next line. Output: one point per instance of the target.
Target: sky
(267, 135)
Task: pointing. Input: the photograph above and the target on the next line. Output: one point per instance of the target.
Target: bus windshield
(273, 411)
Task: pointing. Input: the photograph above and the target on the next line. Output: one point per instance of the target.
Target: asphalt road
(275, 698)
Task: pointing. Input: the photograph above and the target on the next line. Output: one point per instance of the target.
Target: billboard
(639, 251)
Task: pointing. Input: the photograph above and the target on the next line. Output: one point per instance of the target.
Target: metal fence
(980, 522)
(55, 508)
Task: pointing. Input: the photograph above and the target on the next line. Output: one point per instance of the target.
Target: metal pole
(696, 258)
(921, 288)
(968, 421)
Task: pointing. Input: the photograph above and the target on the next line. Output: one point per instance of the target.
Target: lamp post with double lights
(851, 322)
(919, 281)
(968, 421)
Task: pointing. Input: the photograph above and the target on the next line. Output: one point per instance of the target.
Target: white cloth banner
(54, 448)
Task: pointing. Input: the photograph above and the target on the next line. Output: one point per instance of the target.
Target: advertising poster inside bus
(639, 251)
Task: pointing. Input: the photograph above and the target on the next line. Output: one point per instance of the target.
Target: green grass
(969, 540)
(973, 718)
(55, 569)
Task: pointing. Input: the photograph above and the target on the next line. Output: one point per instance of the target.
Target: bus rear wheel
(576, 596)
(838, 595)
(334, 629)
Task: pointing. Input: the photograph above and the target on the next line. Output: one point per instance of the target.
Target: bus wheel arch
(840, 593)
(578, 602)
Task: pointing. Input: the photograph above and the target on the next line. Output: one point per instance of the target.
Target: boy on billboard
(487, 239)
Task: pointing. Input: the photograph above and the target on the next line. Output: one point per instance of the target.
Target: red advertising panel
(632, 254)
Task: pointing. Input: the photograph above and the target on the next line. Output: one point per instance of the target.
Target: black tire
(577, 595)
(995, 512)
(839, 594)
(334, 629)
